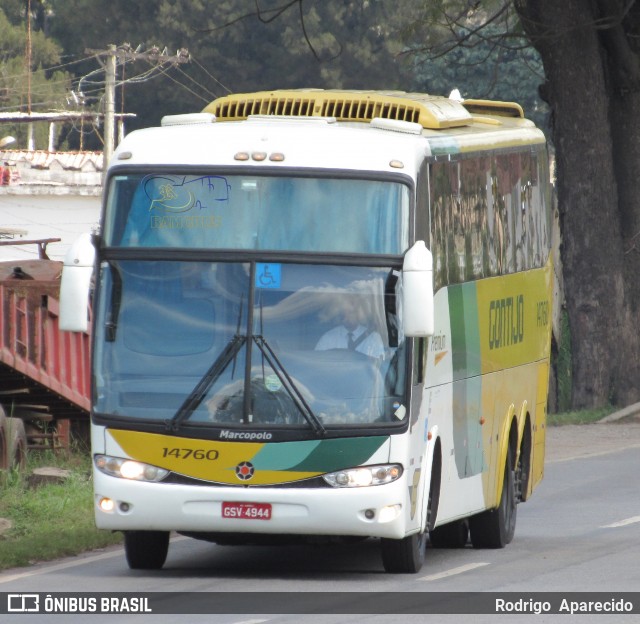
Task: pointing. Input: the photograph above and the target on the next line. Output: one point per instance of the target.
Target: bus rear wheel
(495, 528)
(404, 556)
(146, 550)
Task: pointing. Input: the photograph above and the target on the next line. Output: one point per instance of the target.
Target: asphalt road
(578, 533)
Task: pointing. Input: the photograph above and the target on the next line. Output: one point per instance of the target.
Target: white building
(47, 195)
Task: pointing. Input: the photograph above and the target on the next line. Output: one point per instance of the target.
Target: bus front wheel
(146, 550)
(495, 528)
(404, 556)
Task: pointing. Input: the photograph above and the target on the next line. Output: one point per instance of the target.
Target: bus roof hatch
(432, 112)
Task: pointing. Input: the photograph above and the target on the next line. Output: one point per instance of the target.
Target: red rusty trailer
(44, 372)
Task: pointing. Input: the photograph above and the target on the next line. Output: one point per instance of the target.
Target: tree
(82, 25)
(590, 54)
(483, 66)
(44, 91)
(237, 45)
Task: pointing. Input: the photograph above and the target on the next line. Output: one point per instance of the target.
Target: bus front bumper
(374, 511)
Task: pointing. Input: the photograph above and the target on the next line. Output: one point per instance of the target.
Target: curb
(630, 410)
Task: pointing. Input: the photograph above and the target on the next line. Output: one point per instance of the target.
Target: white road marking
(453, 571)
(622, 523)
(251, 622)
(46, 569)
(587, 455)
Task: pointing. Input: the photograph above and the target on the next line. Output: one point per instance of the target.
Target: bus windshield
(219, 344)
(254, 212)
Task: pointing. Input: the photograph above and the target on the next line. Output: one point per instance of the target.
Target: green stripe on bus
(465, 335)
(283, 455)
(467, 383)
(340, 453)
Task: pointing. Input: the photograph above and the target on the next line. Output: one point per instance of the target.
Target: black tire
(146, 550)
(404, 556)
(451, 535)
(523, 469)
(495, 528)
(16, 441)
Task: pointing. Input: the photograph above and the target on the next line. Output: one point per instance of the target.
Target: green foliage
(50, 521)
(43, 89)
(315, 43)
(241, 45)
(581, 417)
(14, 10)
(495, 63)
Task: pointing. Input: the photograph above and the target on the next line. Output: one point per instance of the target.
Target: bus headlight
(364, 476)
(128, 468)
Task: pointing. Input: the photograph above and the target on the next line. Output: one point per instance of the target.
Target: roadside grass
(582, 417)
(52, 520)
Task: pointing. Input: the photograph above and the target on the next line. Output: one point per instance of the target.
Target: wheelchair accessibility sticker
(268, 275)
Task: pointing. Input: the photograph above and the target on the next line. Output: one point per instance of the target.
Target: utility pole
(109, 107)
(123, 54)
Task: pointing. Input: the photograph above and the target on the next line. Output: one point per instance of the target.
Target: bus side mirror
(417, 292)
(75, 286)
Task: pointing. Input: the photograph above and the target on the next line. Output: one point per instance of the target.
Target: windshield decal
(233, 212)
(175, 194)
(268, 275)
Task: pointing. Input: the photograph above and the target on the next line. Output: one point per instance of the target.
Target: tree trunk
(578, 91)
(623, 64)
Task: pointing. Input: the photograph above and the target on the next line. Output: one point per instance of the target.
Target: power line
(52, 68)
(100, 82)
(124, 54)
(186, 88)
(204, 69)
(80, 90)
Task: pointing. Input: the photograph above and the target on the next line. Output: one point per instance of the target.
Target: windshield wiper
(196, 396)
(289, 385)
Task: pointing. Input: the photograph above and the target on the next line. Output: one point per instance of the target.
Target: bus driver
(352, 332)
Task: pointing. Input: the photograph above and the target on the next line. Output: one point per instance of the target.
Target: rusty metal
(51, 365)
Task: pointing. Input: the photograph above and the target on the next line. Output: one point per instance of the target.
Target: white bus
(320, 313)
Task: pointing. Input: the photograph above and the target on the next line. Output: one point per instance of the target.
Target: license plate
(247, 511)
